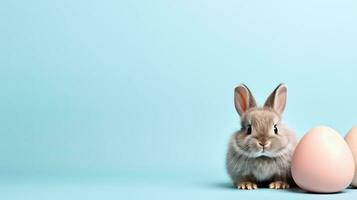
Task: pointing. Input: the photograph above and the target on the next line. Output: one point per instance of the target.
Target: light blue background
(136, 97)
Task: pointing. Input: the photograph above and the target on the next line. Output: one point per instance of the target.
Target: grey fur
(246, 160)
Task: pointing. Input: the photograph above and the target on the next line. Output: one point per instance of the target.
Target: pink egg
(322, 161)
(351, 139)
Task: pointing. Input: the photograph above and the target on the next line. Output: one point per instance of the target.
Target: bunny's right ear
(243, 99)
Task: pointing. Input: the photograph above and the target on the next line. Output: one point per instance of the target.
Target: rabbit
(260, 152)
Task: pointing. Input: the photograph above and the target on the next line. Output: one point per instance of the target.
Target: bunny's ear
(243, 99)
(277, 99)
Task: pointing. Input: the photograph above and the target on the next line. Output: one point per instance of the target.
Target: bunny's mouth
(264, 153)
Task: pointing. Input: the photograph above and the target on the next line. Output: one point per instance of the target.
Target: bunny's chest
(264, 170)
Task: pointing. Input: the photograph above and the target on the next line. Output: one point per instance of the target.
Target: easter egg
(322, 161)
(351, 139)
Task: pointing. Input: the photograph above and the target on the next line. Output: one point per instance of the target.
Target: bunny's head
(262, 133)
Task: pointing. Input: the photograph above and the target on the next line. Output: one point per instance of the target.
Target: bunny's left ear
(277, 99)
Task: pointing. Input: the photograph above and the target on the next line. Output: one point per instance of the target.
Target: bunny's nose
(264, 143)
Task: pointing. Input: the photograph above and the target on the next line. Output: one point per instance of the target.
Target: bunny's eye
(275, 129)
(249, 129)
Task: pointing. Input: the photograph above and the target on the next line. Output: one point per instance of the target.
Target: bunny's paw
(247, 186)
(279, 185)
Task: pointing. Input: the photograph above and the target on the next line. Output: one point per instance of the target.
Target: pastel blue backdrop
(134, 99)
